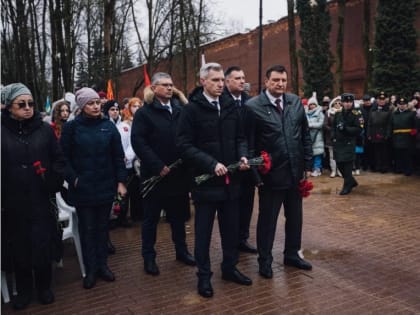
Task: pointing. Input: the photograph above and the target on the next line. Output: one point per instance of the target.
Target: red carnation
(305, 187)
(39, 169)
(413, 132)
(266, 166)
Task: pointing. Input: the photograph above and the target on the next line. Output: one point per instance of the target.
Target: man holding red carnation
(280, 128)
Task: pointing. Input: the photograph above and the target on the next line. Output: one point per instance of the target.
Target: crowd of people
(104, 151)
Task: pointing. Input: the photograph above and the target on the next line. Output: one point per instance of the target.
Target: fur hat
(85, 95)
(11, 91)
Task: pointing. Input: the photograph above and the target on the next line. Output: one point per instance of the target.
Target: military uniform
(347, 126)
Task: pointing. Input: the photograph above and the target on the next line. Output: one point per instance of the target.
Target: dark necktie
(238, 102)
(216, 104)
(278, 104)
(168, 108)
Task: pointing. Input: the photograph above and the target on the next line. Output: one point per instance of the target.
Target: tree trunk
(294, 68)
(339, 48)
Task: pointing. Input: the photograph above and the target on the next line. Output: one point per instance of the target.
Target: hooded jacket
(316, 123)
(206, 137)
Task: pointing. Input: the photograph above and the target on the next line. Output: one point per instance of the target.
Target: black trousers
(270, 202)
(246, 205)
(404, 161)
(177, 210)
(227, 216)
(94, 229)
(346, 170)
(382, 159)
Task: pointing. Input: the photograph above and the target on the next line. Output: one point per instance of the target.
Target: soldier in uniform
(347, 126)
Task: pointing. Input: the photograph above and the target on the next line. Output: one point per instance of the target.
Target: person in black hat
(379, 133)
(367, 155)
(347, 125)
(403, 125)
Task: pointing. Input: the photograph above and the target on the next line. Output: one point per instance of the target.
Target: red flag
(146, 76)
(109, 92)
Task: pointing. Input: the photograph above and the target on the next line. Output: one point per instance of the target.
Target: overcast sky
(244, 14)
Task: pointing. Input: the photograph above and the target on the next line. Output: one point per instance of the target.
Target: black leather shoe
(355, 184)
(204, 288)
(345, 191)
(106, 274)
(21, 301)
(245, 247)
(266, 271)
(186, 258)
(89, 281)
(111, 248)
(151, 268)
(297, 262)
(46, 296)
(236, 276)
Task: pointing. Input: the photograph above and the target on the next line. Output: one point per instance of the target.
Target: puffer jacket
(287, 140)
(153, 140)
(316, 123)
(205, 138)
(95, 157)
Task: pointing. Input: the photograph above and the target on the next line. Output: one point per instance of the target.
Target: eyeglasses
(167, 85)
(97, 102)
(22, 104)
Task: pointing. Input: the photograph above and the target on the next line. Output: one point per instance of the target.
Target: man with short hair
(153, 141)
(210, 138)
(234, 89)
(280, 127)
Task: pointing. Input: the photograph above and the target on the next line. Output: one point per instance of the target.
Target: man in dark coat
(210, 138)
(153, 141)
(31, 173)
(379, 133)
(234, 89)
(347, 126)
(281, 129)
(403, 127)
(368, 153)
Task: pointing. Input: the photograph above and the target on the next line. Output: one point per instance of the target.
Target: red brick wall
(242, 50)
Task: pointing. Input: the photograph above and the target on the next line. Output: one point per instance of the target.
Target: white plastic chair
(4, 288)
(72, 230)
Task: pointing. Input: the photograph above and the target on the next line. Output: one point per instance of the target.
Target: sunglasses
(22, 104)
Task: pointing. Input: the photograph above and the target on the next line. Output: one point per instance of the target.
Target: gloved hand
(340, 126)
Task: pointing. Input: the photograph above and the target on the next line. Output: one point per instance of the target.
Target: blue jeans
(93, 229)
(318, 162)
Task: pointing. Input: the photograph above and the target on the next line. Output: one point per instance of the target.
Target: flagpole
(260, 47)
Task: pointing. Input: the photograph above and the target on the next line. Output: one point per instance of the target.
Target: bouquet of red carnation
(263, 162)
(152, 181)
(413, 132)
(39, 169)
(117, 205)
(305, 186)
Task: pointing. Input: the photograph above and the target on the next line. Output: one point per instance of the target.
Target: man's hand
(165, 171)
(122, 190)
(220, 169)
(244, 164)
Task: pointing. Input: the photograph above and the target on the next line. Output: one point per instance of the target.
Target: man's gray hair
(159, 76)
(205, 69)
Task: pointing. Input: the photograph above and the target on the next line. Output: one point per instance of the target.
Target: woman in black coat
(95, 172)
(31, 172)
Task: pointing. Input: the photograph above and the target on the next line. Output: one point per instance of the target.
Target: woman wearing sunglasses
(31, 172)
(95, 172)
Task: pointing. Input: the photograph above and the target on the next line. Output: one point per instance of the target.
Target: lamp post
(260, 48)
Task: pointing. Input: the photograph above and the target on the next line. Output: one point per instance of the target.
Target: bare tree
(339, 46)
(294, 69)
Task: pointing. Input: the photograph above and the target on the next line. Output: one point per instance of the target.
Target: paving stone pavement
(365, 249)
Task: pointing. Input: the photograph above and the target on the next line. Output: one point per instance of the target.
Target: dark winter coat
(23, 143)
(95, 157)
(344, 141)
(153, 140)
(28, 213)
(287, 140)
(204, 138)
(403, 125)
(379, 125)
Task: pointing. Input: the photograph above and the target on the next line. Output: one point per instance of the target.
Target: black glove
(340, 126)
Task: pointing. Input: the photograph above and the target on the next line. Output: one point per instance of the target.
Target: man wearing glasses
(153, 141)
